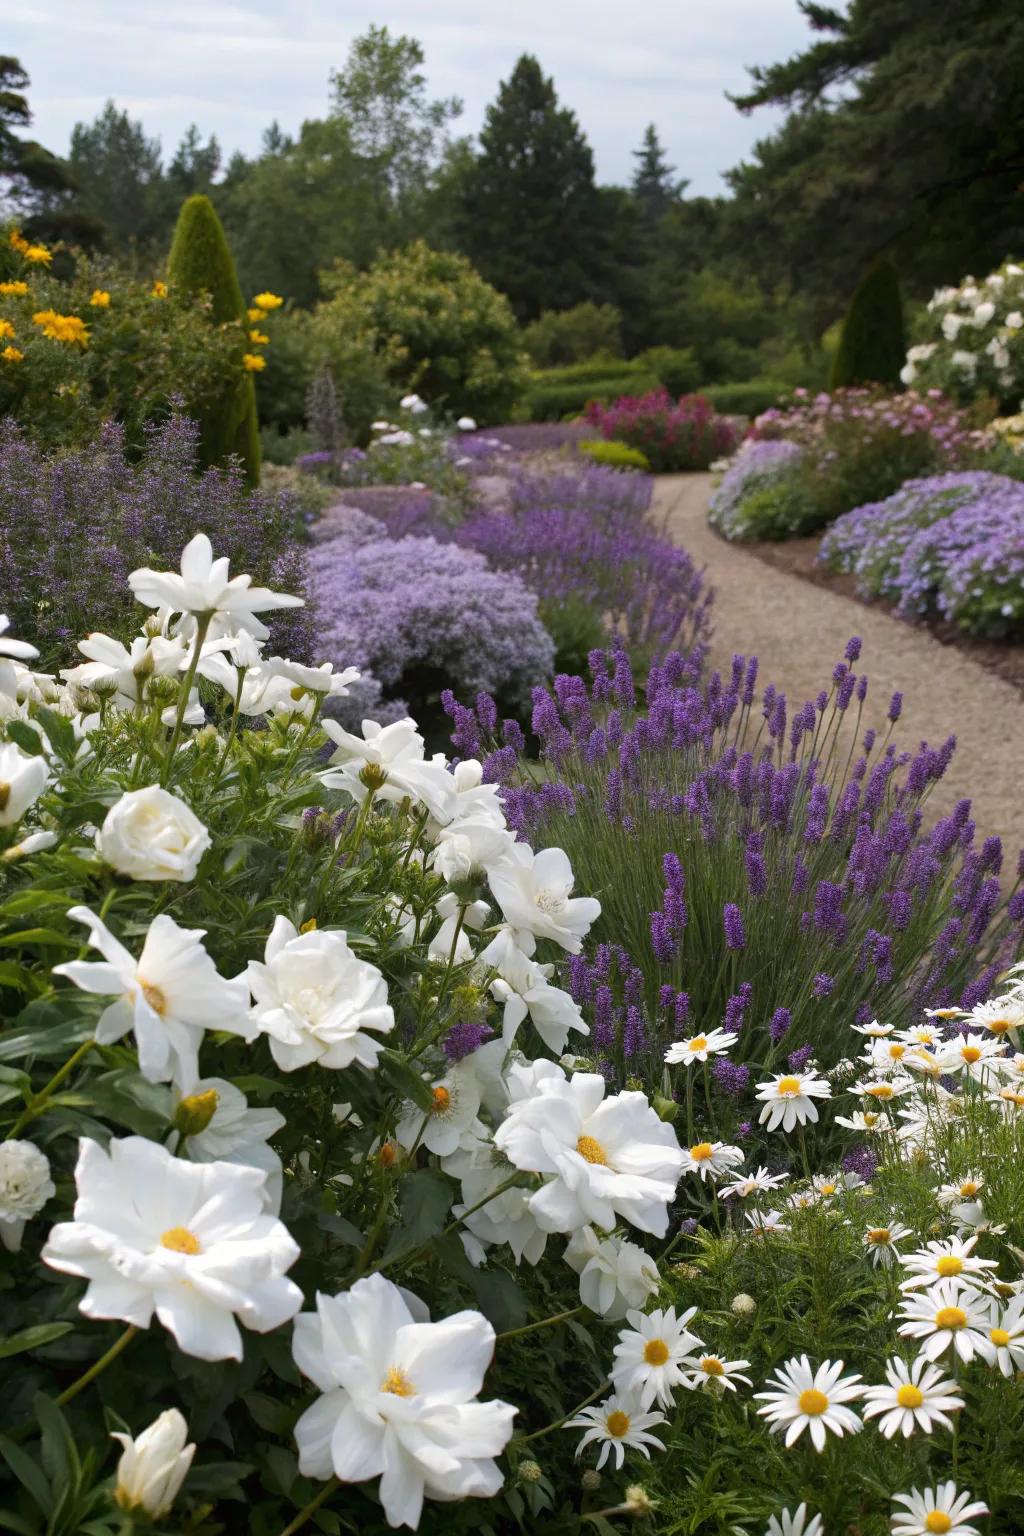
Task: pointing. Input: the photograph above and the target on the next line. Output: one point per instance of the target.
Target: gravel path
(799, 631)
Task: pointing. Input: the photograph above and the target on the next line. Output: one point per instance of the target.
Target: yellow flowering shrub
(252, 362)
(100, 298)
(267, 301)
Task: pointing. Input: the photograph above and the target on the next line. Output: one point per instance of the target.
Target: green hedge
(748, 399)
(615, 455)
(553, 401)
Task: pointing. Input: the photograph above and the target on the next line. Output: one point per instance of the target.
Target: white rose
(152, 1467)
(984, 312)
(950, 326)
(152, 835)
(22, 781)
(25, 1187)
(908, 373)
(1014, 320)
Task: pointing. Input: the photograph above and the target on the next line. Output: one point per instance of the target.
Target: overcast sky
(232, 68)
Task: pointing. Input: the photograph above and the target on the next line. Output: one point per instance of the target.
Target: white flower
(395, 754)
(786, 1524)
(908, 373)
(190, 1241)
(315, 999)
(167, 997)
(976, 1055)
(759, 1182)
(936, 1509)
(1006, 1336)
(149, 834)
(466, 424)
(34, 843)
(711, 1159)
(966, 362)
(948, 1315)
(874, 1030)
(950, 1260)
(616, 1424)
(812, 1400)
(743, 1305)
(25, 1187)
(871, 1121)
(505, 1219)
(915, 1396)
(983, 313)
(399, 1400)
(884, 1090)
(22, 781)
(603, 1158)
(615, 1275)
(204, 587)
(466, 847)
(700, 1047)
(525, 989)
(1014, 320)
(951, 324)
(715, 1371)
(413, 403)
(235, 1133)
(967, 1188)
(18, 648)
(1002, 1017)
(764, 1223)
(152, 1467)
(881, 1242)
(395, 439)
(456, 1100)
(788, 1099)
(650, 1354)
(127, 669)
(534, 891)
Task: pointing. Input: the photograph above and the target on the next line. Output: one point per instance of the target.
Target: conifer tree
(872, 344)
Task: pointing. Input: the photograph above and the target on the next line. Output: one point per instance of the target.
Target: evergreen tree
(201, 262)
(194, 167)
(531, 214)
(654, 186)
(872, 345)
(119, 178)
(36, 182)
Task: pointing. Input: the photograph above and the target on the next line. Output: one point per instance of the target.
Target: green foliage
(654, 185)
(564, 393)
(872, 343)
(677, 368)
(615, 455)
(201, 263)
(574, 335)
(747, 399)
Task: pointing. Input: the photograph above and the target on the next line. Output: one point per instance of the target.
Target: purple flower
(731, 1076)
(736, 1008)
(464, 1038)
(823, 984)
(798, 1059)
(780, 1021)
(732, 921)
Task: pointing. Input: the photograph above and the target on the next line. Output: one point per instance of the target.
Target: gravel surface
(799, 631)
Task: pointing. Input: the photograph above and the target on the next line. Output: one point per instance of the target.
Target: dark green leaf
(29, 1474)
(404, 1079)
(60, 1457)
(59, 731)
(38, 936)
(33, 1338)
(26, 738)
(424, 1199)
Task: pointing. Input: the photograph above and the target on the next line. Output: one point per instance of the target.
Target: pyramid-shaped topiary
(872, 345)
(201, 262)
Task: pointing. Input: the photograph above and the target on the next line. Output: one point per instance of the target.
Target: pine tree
(201, 262)
(872, 346)
(653, 184)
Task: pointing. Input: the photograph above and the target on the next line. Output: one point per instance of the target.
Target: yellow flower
(16, 240)
(256, 315)
(258, 339)
(252, 362)
(14, 290)
(100, 298)
(69, 328)
(159, 290)
(6, 328)
(268, 301)
(11, 355)
(38, 253)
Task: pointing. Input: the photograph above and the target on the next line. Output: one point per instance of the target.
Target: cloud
(233, 68)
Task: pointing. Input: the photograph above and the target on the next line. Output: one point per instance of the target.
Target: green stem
(311, 1508)
(203, 621)
(119, 1344)
(35, 1106)
(689, 1105)
(803, 1153)
(557, 1424)
(232, 731)
(545, 1322)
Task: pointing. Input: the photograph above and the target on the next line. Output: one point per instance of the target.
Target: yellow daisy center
(971, 1053)
(698, 1043)
(154, 997)
(951, 1317)
(880, 1090)
(871, 1118)
(617, 1423)
(812, 1402)
(712, 1367)
(910, 1396)
(655, 1352)
(948, 1265)
(938, 1522)
(397, 1383)
(1011, 1096)
(969, 1187)
(827, 1189)
(702, 1151)
(591, 1151)
(896, 1051)
(788, 1087)
(880, 1235)
(180, 1240)
(999, 1336)
(999, 1026)
(442, 1101)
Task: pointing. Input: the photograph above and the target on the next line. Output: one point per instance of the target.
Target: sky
(233, 68)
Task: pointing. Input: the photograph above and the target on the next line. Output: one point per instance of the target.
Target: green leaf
(218, 1479)
(424, 1200)
(26, 738)
(38, 936)
(404, 1079)
(29, 1474)
(9, 1522)
(60, 1456)
(46, 1032)
(59, 731)
(33, 1338)
(17, 976)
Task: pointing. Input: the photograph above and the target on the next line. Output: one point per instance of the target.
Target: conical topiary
(872, 345)
(201, 262)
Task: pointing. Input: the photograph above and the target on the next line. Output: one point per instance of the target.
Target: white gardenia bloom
(525, 989)
(399, 1400)
(534, 892)
(756, 1183)
(191, 1242)
(953, 1259)
(915, 1395)
(795, 1524)
(650, 1354)
(25, 1187)
(711, 1159)
(152, 1467)
(315, 1000)
(468, 846)
(788, 1099)
(456, 1101)
(881, 1242)
(127, 669)
(615, 1275)
(802, 1399)
(603, 1157)
(236, 1134)
(936, 1509)
(979, 1056)
(11, 647)
(22, 781)
(700, 1047)
(204, 587)
(395, 751)
(618, 1424)
(150, 834)
(168, 997)
(948, 1315)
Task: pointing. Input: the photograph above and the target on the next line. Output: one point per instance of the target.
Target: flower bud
(530, 1472)
(387, 1155)
(665, 1109)
(145, 665)
(590, 1481)
(195, 1112)
(152, 1467)
(743, 1305)
(638, 1501)
(373, 776)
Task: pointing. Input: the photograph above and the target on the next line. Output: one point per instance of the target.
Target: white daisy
(796, 1524)
(881, 1242)
(915, 1395)
(886, 1055)
(944, 1013)
(650, 1352)
(948, 1316)
(939, 1509)
(928, 1035)
(813, 1400)
(711, 1159)
(713, 1371)
(828, 1184)
(615, 1424)
(1002, 1017)
(763, 1222)
(949, 1260)
(699, 1047)
(788, 1099)
(759, 1182)
(874, 1030)
(967, 1188)
(1006, 1336)
(870, 1122)
(976, 1055)
(883, 1090)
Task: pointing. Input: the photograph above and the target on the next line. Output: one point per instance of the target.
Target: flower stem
(545, 1322)
(311, 1508)
(119, 1344)
(202, 626)
(557, 1424)
(35, 1106)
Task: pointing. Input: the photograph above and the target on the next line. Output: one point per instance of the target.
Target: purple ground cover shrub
(73, 525)
(521, 437)
(673, 434)
(951, 545)
(761, 472)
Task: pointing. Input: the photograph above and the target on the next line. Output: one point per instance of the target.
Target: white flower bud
(152, 1467)
(743, 1305)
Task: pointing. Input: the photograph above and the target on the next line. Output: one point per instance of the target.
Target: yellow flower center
(910, 1396)
(617, 1423)
(880, 1235)
(591, 1151)
(971, 1053)
(655, 1352)
(442, 1101)
(951, 1317)
(999, 1026)
(969, 1187)
(938, 1522)
(397, 1383)
(180, 1240)
(827, 1189)
(999, 1336)
(880, 1090)
(698, 1043)
(788, 1087)
(712, 1367)
(154, 997)
(812, 1402)
(1011, 1097)
(702, 1151)
(897, 1051)
(948, 1265)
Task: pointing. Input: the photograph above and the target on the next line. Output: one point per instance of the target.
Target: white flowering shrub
(313, 1214)
(970, 340)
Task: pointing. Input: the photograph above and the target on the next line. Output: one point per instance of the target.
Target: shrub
(574, 335)
(677, 369)
(556, 398)
(748, 399)
(673, 435)
(872, 341)
(951, 546)
(968, 340)
(763, 493)
(201, 263)
(282, 387)
(613, 455)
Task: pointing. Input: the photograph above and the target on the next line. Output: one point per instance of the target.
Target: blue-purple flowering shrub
(759, 868)
(762, 494)
(950, 546)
